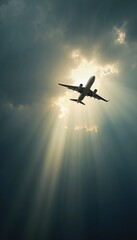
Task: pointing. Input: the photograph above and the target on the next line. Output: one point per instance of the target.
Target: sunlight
(84, 70)
(68, 167)
(70, 128)
(93, 128)
(74, 133)
(63, 104)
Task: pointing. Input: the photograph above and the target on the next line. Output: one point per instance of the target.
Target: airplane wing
(74, 88)
(95, 95)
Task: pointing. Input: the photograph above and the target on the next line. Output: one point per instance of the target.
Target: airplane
(84, 91)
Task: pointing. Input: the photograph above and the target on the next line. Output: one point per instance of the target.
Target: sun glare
(70, 126)
(80, 75)
(70, 130)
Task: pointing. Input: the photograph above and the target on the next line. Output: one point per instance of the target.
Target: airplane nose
(92, 78)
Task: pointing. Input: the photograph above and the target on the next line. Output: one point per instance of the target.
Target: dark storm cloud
(33, 36)
(30, 50)
(92, 18)
(25, 52)
(90, 23)
(36, 38)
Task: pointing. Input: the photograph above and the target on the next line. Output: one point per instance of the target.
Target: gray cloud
(92, 18)
(33, 37)
(36, 38)
(28, 53)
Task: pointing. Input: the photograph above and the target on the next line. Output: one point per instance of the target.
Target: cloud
(41, 43)
(30, 50)
(120, 35)
(44, 42)
(92, 18)
(62, 104)
(93, 128)
(34, 39)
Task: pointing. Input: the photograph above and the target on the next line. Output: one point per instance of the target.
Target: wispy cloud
(62, 103)
(120, 35)
(88, 67)
(86, 128)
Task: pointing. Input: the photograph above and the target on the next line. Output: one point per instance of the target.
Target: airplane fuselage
(86, 90)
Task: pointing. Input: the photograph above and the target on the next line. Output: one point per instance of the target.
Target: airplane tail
(76, 100)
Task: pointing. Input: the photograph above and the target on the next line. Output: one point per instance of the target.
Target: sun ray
(69, 129)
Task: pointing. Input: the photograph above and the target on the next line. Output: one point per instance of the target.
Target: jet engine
(80, 87)
(94, 92)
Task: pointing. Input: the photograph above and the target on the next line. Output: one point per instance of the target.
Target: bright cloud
(85, 69)
(75, 55)
(93, 128)
(120, 35)
(88, 68)
(62, 103)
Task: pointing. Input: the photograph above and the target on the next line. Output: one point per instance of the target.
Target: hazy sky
(68, 170)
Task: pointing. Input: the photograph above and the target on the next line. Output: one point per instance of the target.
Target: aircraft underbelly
(84, 93)
(87, 88)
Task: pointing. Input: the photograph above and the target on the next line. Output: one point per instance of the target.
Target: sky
(68, 170)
